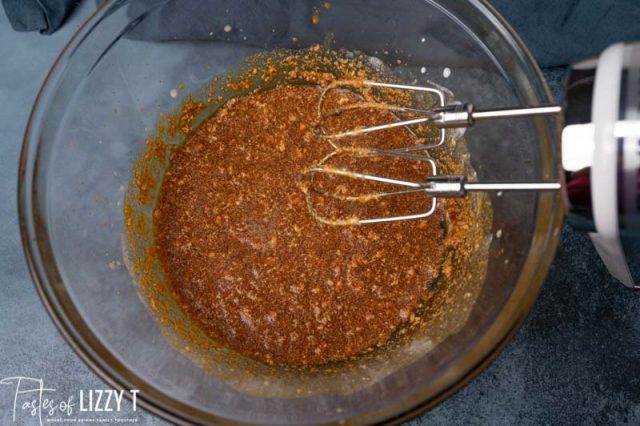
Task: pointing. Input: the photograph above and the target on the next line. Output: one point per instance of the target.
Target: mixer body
(601, 154)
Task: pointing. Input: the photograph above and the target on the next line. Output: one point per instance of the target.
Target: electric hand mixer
(600, 150)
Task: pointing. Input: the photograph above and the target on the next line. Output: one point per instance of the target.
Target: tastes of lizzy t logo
(31, 398)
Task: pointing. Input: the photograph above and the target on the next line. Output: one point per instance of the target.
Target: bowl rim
(108, 367)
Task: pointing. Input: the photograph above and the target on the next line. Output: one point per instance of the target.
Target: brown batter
(251, 264)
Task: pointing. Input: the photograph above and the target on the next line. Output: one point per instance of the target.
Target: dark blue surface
(575, 361)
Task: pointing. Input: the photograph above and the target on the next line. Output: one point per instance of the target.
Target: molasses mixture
(252, 265)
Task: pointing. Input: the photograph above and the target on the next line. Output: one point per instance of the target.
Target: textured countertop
(575, 360)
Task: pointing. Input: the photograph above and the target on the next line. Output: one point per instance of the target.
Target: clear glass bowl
(106, 90)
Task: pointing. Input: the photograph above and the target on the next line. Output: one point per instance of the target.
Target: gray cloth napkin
(45, 16)
(560, 31)
(557, 31)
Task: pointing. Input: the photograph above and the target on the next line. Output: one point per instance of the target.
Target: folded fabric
(559, 32)
(45, 16)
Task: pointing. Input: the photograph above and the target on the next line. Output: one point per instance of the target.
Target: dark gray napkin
(557, 31)
(560, 31)
(45, 16)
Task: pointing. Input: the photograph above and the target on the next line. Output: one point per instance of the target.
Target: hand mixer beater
(439, 116)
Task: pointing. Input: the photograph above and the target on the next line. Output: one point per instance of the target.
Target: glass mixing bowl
(117, 74)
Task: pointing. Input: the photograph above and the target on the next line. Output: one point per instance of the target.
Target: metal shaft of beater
(515, 112)
(457, 186)
(449, 186)
(512, 186)
(466, 115)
